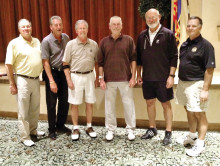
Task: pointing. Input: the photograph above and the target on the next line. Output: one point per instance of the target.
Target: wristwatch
(100, 77)
(172, 75)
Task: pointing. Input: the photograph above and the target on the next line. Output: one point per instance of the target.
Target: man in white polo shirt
(78, 63)
(23, 65)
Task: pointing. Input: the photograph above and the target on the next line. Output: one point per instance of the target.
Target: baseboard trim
(140, 123)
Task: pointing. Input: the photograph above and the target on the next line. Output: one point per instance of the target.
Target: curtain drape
(96, 12)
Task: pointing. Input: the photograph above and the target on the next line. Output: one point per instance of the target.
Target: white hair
(115, 17)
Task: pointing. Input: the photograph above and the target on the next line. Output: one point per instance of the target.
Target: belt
(78, 72)
(59, 69)
(34, 78)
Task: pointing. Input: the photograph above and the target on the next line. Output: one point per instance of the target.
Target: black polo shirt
(195, 57)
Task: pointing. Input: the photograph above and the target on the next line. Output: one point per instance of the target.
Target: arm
(102, 82)
(97, 75)
(13, 87)
(68, 77)
(170, 79)
(207, 82)
(139, 78)
(53, 85)
(133, 70)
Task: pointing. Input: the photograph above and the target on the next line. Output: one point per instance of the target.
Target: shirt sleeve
(138, 51)
(10, 58)
(132, 50)
(96, 52)
(101, 54)
(173, 54)
(45, 49)
(67, 53)
(209, 59)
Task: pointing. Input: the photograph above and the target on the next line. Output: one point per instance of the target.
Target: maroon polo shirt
(115, 56)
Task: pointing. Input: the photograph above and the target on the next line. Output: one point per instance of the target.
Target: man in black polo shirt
(197, 63)
(52, 48)
(157, 54)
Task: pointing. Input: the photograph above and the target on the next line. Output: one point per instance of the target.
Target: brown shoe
(91, 132)
(75, 135)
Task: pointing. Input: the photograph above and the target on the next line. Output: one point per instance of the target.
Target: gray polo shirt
(53, 50)
(81, 57)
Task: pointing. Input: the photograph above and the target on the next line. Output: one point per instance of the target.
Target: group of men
(69, 75)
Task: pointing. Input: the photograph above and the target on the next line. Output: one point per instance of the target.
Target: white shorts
(82, 82)
(188, 94)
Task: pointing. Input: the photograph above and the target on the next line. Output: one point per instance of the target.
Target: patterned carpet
(99, 152)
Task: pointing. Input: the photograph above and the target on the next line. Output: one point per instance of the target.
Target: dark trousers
(57, 121)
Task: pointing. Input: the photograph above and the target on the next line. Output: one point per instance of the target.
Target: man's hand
(13, 89)
(53, 87)
(102, 84)
(204, 96)
(139, 80)
(70, 84)
(132, 83)
(170, 82)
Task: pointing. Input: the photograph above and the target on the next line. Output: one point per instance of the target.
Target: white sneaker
(186, 141)
(131, 135)
(195, 150)
(75, 135)
(109, 135)
(40, 133)
(28, 143)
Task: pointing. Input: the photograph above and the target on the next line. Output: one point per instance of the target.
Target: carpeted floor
(87, 151)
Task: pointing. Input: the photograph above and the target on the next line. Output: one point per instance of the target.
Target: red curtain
(96, 12)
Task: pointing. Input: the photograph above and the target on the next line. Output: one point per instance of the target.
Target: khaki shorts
(82, 83)
(188, 94)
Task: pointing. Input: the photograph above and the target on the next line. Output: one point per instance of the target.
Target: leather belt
(34, 78)
(78, 72)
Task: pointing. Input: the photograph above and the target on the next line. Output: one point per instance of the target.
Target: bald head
(152, 11)
(152, 17)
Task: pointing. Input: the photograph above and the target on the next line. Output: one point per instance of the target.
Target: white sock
(89, 125)
(200, 142)
(192, 135)
(75, 127)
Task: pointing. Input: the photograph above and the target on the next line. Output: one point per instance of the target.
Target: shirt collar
(25, 41)
(54, 39)
(196, 40)
(155, 32)
(80, 42)
(120, 37)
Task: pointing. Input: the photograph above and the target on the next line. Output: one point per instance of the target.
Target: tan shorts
(188, 94)
(83, 83)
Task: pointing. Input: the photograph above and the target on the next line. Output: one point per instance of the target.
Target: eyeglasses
(151, 18)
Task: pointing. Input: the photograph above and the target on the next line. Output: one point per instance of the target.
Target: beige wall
(211, 18)
(8, 104)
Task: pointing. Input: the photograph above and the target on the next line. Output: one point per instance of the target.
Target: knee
(150, 103)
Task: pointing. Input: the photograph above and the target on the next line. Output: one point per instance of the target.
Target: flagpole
(188, 8)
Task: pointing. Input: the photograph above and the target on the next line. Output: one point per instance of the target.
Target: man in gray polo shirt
(78, 63)
(53, 47)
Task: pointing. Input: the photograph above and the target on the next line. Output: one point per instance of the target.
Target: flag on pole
(176, 19)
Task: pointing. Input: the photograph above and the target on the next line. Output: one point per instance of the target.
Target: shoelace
(151, 133)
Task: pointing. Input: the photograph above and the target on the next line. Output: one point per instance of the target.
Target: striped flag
(176, 19)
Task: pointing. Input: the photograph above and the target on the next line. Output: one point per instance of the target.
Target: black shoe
(53, 136)
(150, 133)
(63, 129)
(167, 139)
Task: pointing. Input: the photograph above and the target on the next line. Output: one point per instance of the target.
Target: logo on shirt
(90, 50)
(157, 41)
(194, 49)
